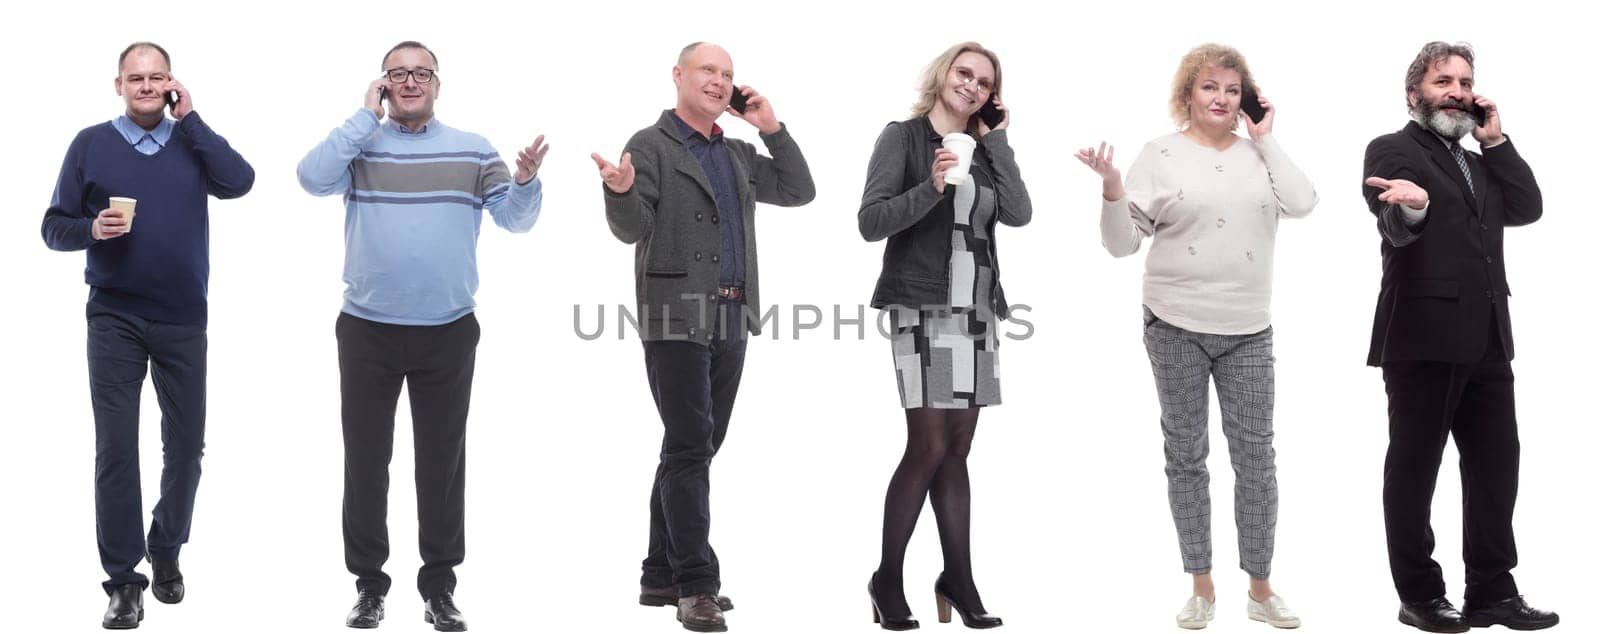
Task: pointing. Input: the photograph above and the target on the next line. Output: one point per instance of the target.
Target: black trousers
(121, 347)
(436, 364)
(1428, 403)
(694, 386)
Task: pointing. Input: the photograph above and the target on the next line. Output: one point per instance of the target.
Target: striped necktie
(1461, 160)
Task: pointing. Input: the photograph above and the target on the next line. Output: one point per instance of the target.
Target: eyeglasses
(399, 75)
(966, 78)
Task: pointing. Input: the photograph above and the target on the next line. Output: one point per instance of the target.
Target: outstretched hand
(1400, 191)
(618, 178)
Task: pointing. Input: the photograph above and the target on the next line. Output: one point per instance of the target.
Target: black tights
(935, 462)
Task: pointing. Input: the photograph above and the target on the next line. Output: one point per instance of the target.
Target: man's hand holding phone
(178, 99)
(377, 91)
(757, 111)
(1487, 116)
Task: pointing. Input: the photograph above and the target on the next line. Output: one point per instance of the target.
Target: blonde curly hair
(1202, 57)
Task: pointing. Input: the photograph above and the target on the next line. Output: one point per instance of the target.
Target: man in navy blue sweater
(147, 308)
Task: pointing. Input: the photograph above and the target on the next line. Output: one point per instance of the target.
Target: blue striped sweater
(413, 208)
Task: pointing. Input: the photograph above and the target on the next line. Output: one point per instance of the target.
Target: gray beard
(1451, 125)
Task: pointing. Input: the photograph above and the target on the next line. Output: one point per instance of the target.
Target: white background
(1072, 531)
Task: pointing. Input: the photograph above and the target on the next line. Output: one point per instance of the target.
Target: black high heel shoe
(898, 624)
(968, 618)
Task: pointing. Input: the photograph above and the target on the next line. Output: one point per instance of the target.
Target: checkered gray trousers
(1184, 363)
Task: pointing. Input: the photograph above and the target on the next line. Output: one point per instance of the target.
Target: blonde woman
(941, 284)
(1210, 200)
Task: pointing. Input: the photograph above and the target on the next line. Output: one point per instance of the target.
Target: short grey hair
(1432, 53)
(683, 55)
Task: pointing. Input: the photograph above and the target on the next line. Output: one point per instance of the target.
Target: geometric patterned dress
(947, 357)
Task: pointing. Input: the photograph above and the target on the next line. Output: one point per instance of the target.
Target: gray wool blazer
(670, 216)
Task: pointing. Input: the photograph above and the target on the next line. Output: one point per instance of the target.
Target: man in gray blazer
(684, 195)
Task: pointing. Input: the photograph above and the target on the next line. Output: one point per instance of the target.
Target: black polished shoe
(367, 613)
(166, 582)
(1433, 615)
(661, 597)
(126, 609)
(442, 613)
(1513, 613)
(971, 616)
(895, 622)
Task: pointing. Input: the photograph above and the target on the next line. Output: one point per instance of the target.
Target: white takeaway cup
(963, 146)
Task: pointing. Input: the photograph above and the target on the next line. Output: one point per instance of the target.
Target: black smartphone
(991, 115)
(1479, 114)
(383, 93)
(172, 97)
(1250, 104)
(738, 101)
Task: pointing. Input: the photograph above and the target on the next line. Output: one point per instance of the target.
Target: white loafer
(1196, 614)
(1273, 612)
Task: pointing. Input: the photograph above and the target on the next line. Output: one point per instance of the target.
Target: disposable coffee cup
(963, 146)
(125, 207)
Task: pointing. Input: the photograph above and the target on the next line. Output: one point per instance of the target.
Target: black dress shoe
(442, 613)
(893, 622)
(660, 597)
(1513, 613)
(1433, 615)
(368, 611)
(972, 616)
(126, 608)
(166, 583)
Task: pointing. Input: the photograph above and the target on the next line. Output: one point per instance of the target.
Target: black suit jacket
(1444, 280)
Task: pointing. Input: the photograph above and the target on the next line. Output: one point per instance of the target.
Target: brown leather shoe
(700, 613)
(661, 597)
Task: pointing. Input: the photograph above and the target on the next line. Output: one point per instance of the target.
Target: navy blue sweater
(159, 270)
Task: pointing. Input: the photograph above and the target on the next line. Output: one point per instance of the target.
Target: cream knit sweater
(1214, 217)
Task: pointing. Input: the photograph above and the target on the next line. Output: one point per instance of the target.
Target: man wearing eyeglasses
(413, 190)
(146, 309)
(685, 195)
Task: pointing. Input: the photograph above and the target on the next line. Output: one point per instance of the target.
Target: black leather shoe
(660, 597)
(367, 613)
(1513, 613)
(442, 613)
(1433, 615)
(700, 613)
(126, 609)
(166, 582)
(893, 622)
(972, 616)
